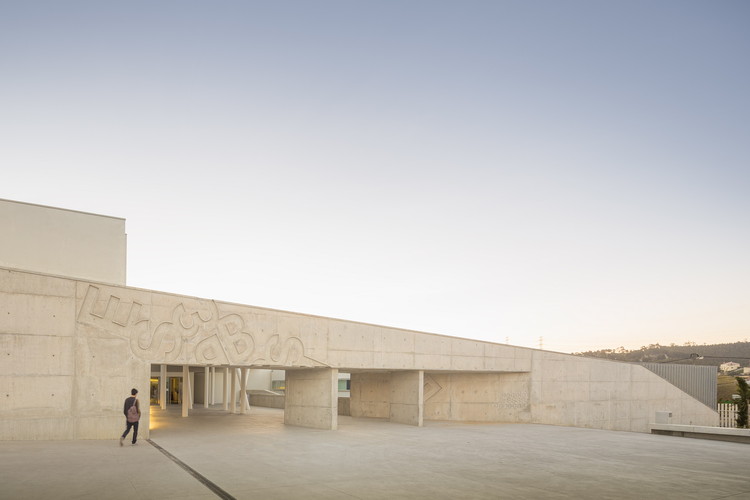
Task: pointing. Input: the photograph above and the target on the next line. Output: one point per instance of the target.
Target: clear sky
(501, 170)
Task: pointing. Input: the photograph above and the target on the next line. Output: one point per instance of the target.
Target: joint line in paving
(197, 475)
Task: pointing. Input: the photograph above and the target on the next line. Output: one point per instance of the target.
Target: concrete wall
(72, 350)
(600, 394)
(60, 379)
(370, 395)
(63, 242)
(478, 397)
(407, 397)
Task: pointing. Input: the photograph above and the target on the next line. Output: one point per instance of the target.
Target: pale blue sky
(576, 171)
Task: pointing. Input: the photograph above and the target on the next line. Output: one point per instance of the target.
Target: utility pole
(541, 342)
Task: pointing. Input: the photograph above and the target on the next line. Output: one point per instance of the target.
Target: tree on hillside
(744, 391)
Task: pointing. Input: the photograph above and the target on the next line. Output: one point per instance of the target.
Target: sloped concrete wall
(362, 346)
(72, 350)
(600, 394)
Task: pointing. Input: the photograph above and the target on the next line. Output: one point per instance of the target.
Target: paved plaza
(256, 456)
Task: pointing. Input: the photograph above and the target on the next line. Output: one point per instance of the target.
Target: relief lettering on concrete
(200, 334)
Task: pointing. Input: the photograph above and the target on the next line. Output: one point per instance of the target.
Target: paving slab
(255, 456)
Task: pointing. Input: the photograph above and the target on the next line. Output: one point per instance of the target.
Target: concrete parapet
(266, 400)
(702, 432)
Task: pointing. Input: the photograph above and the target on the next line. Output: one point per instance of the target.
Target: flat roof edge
(62, 209)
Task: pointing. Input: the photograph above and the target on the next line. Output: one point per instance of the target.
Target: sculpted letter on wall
(195, 333)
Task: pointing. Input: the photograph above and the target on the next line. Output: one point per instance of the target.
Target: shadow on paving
(255, 456)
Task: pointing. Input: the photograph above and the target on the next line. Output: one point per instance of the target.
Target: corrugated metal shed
(698, 381)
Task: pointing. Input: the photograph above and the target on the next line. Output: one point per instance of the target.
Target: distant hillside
(691, 353)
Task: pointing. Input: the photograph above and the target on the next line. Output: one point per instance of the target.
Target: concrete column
(213, 385)
(233, 402)
(243, 391)
(185, 390)
(163, 387)
(312, 398)
(407, 397)
(226, 388)
(206, 383)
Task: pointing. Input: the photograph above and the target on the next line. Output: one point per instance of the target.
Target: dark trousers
(134, 425)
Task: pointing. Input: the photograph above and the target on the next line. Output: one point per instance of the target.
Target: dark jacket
(128, 403)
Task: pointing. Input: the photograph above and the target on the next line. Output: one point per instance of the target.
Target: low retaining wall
(703, 432)
(344, 407)
(278, 401)
(267, 400)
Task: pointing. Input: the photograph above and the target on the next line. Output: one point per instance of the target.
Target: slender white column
(243, 390)
(246, 399)
(185, 390)
(233, 401)
(190, 390)
(213, 385)
(163, 387)
(226, 388)
(206, 381)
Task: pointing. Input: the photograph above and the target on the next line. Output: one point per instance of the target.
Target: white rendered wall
(259, 380)
(62, 242)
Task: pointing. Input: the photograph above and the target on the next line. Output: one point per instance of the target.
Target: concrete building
(74, 339)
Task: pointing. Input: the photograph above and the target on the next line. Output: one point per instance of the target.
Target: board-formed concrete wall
(478, 397)
(72, 349)
(604, 394)
(407, 397)
(60, 379)
(370, 395)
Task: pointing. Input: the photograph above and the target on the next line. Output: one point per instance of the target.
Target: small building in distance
(729, 366)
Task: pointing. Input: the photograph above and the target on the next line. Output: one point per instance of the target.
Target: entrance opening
(154, 392)
(174, 390)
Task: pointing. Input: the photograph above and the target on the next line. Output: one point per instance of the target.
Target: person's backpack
(132, 414)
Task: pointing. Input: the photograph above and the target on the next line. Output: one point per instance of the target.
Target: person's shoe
(121, 440)
(134, 444)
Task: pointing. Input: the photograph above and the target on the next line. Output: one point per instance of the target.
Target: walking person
(132, 411)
